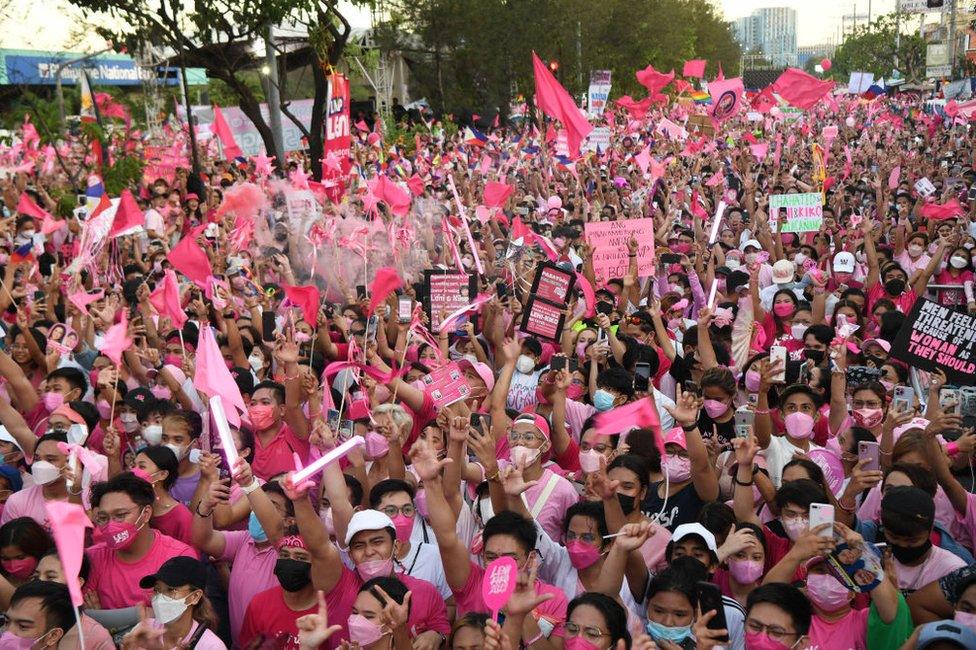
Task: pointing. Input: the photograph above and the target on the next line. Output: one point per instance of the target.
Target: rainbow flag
(701, 97)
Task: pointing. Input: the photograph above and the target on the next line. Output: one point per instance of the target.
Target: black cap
(138, 398)
(909, 503)
(178, 571)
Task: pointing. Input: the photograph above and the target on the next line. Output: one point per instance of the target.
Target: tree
(219, 36)
(878, 48)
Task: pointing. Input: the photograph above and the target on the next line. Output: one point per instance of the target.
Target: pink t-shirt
(28, 502)
(276, 457)
(910, 265)
(550, 513)
(117, 582)
(847, 633)
(252, 571)
(469, 599)
(939, 563)
(176, 523)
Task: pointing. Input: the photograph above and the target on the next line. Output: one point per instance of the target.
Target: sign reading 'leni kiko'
(938, 337)
(804, 212)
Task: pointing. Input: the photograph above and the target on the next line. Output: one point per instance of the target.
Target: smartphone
(345, 430)
(692, 387)
(501, 289)
(822, 513)
(361, 291)
(972, 193)
(870, 452)
(332, 419)
(949, 400)
(643, 369)
(710, 599)
(904, 399)
(967, 400)
(479, 419)
(371, 325)
(268, 326)
(778, 353)
(604, 308)
(670, 258)
(404, 309)
(744, 419)
(558, 363)
(81, 200)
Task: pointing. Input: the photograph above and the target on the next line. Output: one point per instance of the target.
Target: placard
(609, 241)
(924, 187)
(934, 337)
(447, 292)
(599, 92)
(552, 283)
(598, 140)
(543, 319)
(804, 212)
(446, 385)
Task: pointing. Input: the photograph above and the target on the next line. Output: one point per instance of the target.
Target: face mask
(627, 503)
(581, 350)
(363, 631)
(581, 554)
(959, 262)
(868, 418)
(842, 278)
(52, 400)
(965, 619)
(602, 400)
(129, 422)
(894, 286)
(745, 571)
(377, 446)
(472, 358)
(589, 460)
(732, 263)
(403, 526)
(678, 289)
(751, 258)
(120, 535)
(262, 416)
(674, 323)
(329, 523)
(256, 361)
(753, 379)
(795, 527)
(420, 500)
(20, 569)
(762, 641)
(178, 450)
(910, 554)
(173, 360)
(369, 569)
(715, 408)
(255, 530)
(578, 643)
(798, 425)
(104, 409)
(783, 309)
(660, 632)
(888, 385)
(676, 468)
(523, 456)
(915, 250)
(799, 258)
(77, 434)
(14, 642)
(44, 472)
(826, 592)
(293, 575)
(575, 392)
(485, 511)
(797, 330)
(153, 434)
(167, 609)
(816, 356)
(525, 364)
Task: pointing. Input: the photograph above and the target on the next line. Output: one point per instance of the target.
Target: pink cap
(538, 421)
(483, 371)
(881, 343)
(676, 436)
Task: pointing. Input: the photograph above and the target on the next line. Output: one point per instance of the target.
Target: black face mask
(813, 355)
(910, 554)
(627, 503)
(894, 286)
(293, 575)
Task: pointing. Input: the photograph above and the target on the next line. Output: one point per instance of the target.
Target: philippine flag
(95, 186)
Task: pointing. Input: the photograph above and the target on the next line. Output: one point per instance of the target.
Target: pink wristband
(952, 449)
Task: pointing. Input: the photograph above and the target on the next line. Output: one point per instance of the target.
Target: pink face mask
(20, 569)
(783, 309)
(676, 468)
(578, 643)
(589, 460)
(752, 381)
(363, 631)
(868, 418)
(403, 526)
(745, 571)
(799, 425)
(575, 391)
(762, 641)
(826, 592)
(52, 401)
(104, 409)
(795, 527)
(581, 554)
(715, 408)
(377, 446)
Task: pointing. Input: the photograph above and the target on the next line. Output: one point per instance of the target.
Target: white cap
(783, 271)
(844, 262)
(684, 530)
(6, 436)
(750, 242)
(367, 520)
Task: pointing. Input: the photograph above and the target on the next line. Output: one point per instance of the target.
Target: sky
(817, 21)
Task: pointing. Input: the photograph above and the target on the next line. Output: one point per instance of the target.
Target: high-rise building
(772, 31)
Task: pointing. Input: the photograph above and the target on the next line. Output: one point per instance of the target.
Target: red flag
(190, 260)
(222, 131)
(128, 216)
(555, 102)
(391, 194)
(801, 89)
(385, 282)
(306, 297)
(726, 98)
(764, 101)
(497, 193)
(166, 299)
(653, 80)
(694, 68)
(416, 185)
(642, 413)
(947, 210)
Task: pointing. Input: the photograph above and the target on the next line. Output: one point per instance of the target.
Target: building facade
(772, 31)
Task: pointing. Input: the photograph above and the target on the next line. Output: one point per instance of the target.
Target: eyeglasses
(588, 538)
(516, 436)
(773, 631)
(589, 632)
(407, 510)
(103, 518)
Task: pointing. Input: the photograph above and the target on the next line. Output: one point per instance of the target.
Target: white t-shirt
(521, 393)
(779, 452)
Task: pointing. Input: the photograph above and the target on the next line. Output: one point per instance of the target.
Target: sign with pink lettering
(938, 337)
(498, 583)
(552, 283)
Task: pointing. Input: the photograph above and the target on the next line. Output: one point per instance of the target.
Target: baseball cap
(178, 571)
(881, 343)
(844, 262)
(946, 631)
(537, 421)
(12, 474)
(676, 436)
(367, 520)
(783, 272)
(483, 371)
(909, 503)
(696, 529)
(6, 436)
(138, 397)
(750, 242)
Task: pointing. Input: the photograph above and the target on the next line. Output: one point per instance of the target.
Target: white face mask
(77, 434)
(751, 258)
(958, 262)
(523, 456)
(152, 433)
(799, 258)
(797, 330)
(129, 422)
(915, 250)
(179, 450)
(525, 364)
(167, 609)
(732, 263)
(44, 472)
(256, 361)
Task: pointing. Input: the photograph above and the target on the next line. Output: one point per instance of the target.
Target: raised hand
(425, 462)
(685, 410)
(314, 629)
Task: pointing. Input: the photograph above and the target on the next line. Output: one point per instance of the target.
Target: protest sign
(924, 187)
(498, 583)
(300, 204)
(447, 292)
(598, 140)
(446, 385)
(803, 212)
(543, 319)
(599, 92)
(552, 283)
(338, 138)
(609, 242)
(860, 82)
(936, 337)
(162, 162)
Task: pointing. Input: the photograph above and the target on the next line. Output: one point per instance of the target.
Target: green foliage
(222, 95)
(43, 112)
(125, 172)
(872, 48)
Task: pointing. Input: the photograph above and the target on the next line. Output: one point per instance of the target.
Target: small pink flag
(307, 298)
(26, 206)
(496, 193)
(643, 160)
(716, 179)
(128, 216)
(68, 523)
(641, 413)
(166, 299)
(894, 178)
(759, 150)
(212, 377)
(653, 80)
(116, 340)
(81, 299)
(226, 136)
(386, 281)
(190, 260)
(694, 68)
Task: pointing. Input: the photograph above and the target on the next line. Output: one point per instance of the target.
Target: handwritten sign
(598, 140)
(446, 293)
(552, 283)
(924, 187)
(543, 319)
(938, 337)
(803, 212)
(498, 583)
(446, 385)
(609, 242)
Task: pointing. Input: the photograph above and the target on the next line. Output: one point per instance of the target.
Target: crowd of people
(719, 453)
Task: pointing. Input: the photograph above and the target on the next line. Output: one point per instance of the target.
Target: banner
(245, 133)
(860, 82)
(543, 319)
(934, 337)
(804, 212)
(162, 162)
(338, 139)
(598, 140)
(609, 242)
(446, 293)
(921, 6)
(598, 93)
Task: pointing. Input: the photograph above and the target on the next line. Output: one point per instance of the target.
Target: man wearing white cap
(784, 276)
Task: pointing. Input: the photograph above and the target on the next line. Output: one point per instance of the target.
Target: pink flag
(947, 210)
(894, 177)
(653, 80)
(307, 297)
(637, 109)
(555, 102)
(716, 179)
(657, 169)
(641, 413)
(116, 340)
(643, 160)
(190, 260)
(166, 299)
(801, 89)
(222, 131)
(416, 185)
(390, 193)
(26, 206)
(81, 299)
(759, 150)
(726, 98)
(385, 282)
(128, 216)
(497, 193)
(694, 68)
(212, 377)
(68, 523)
